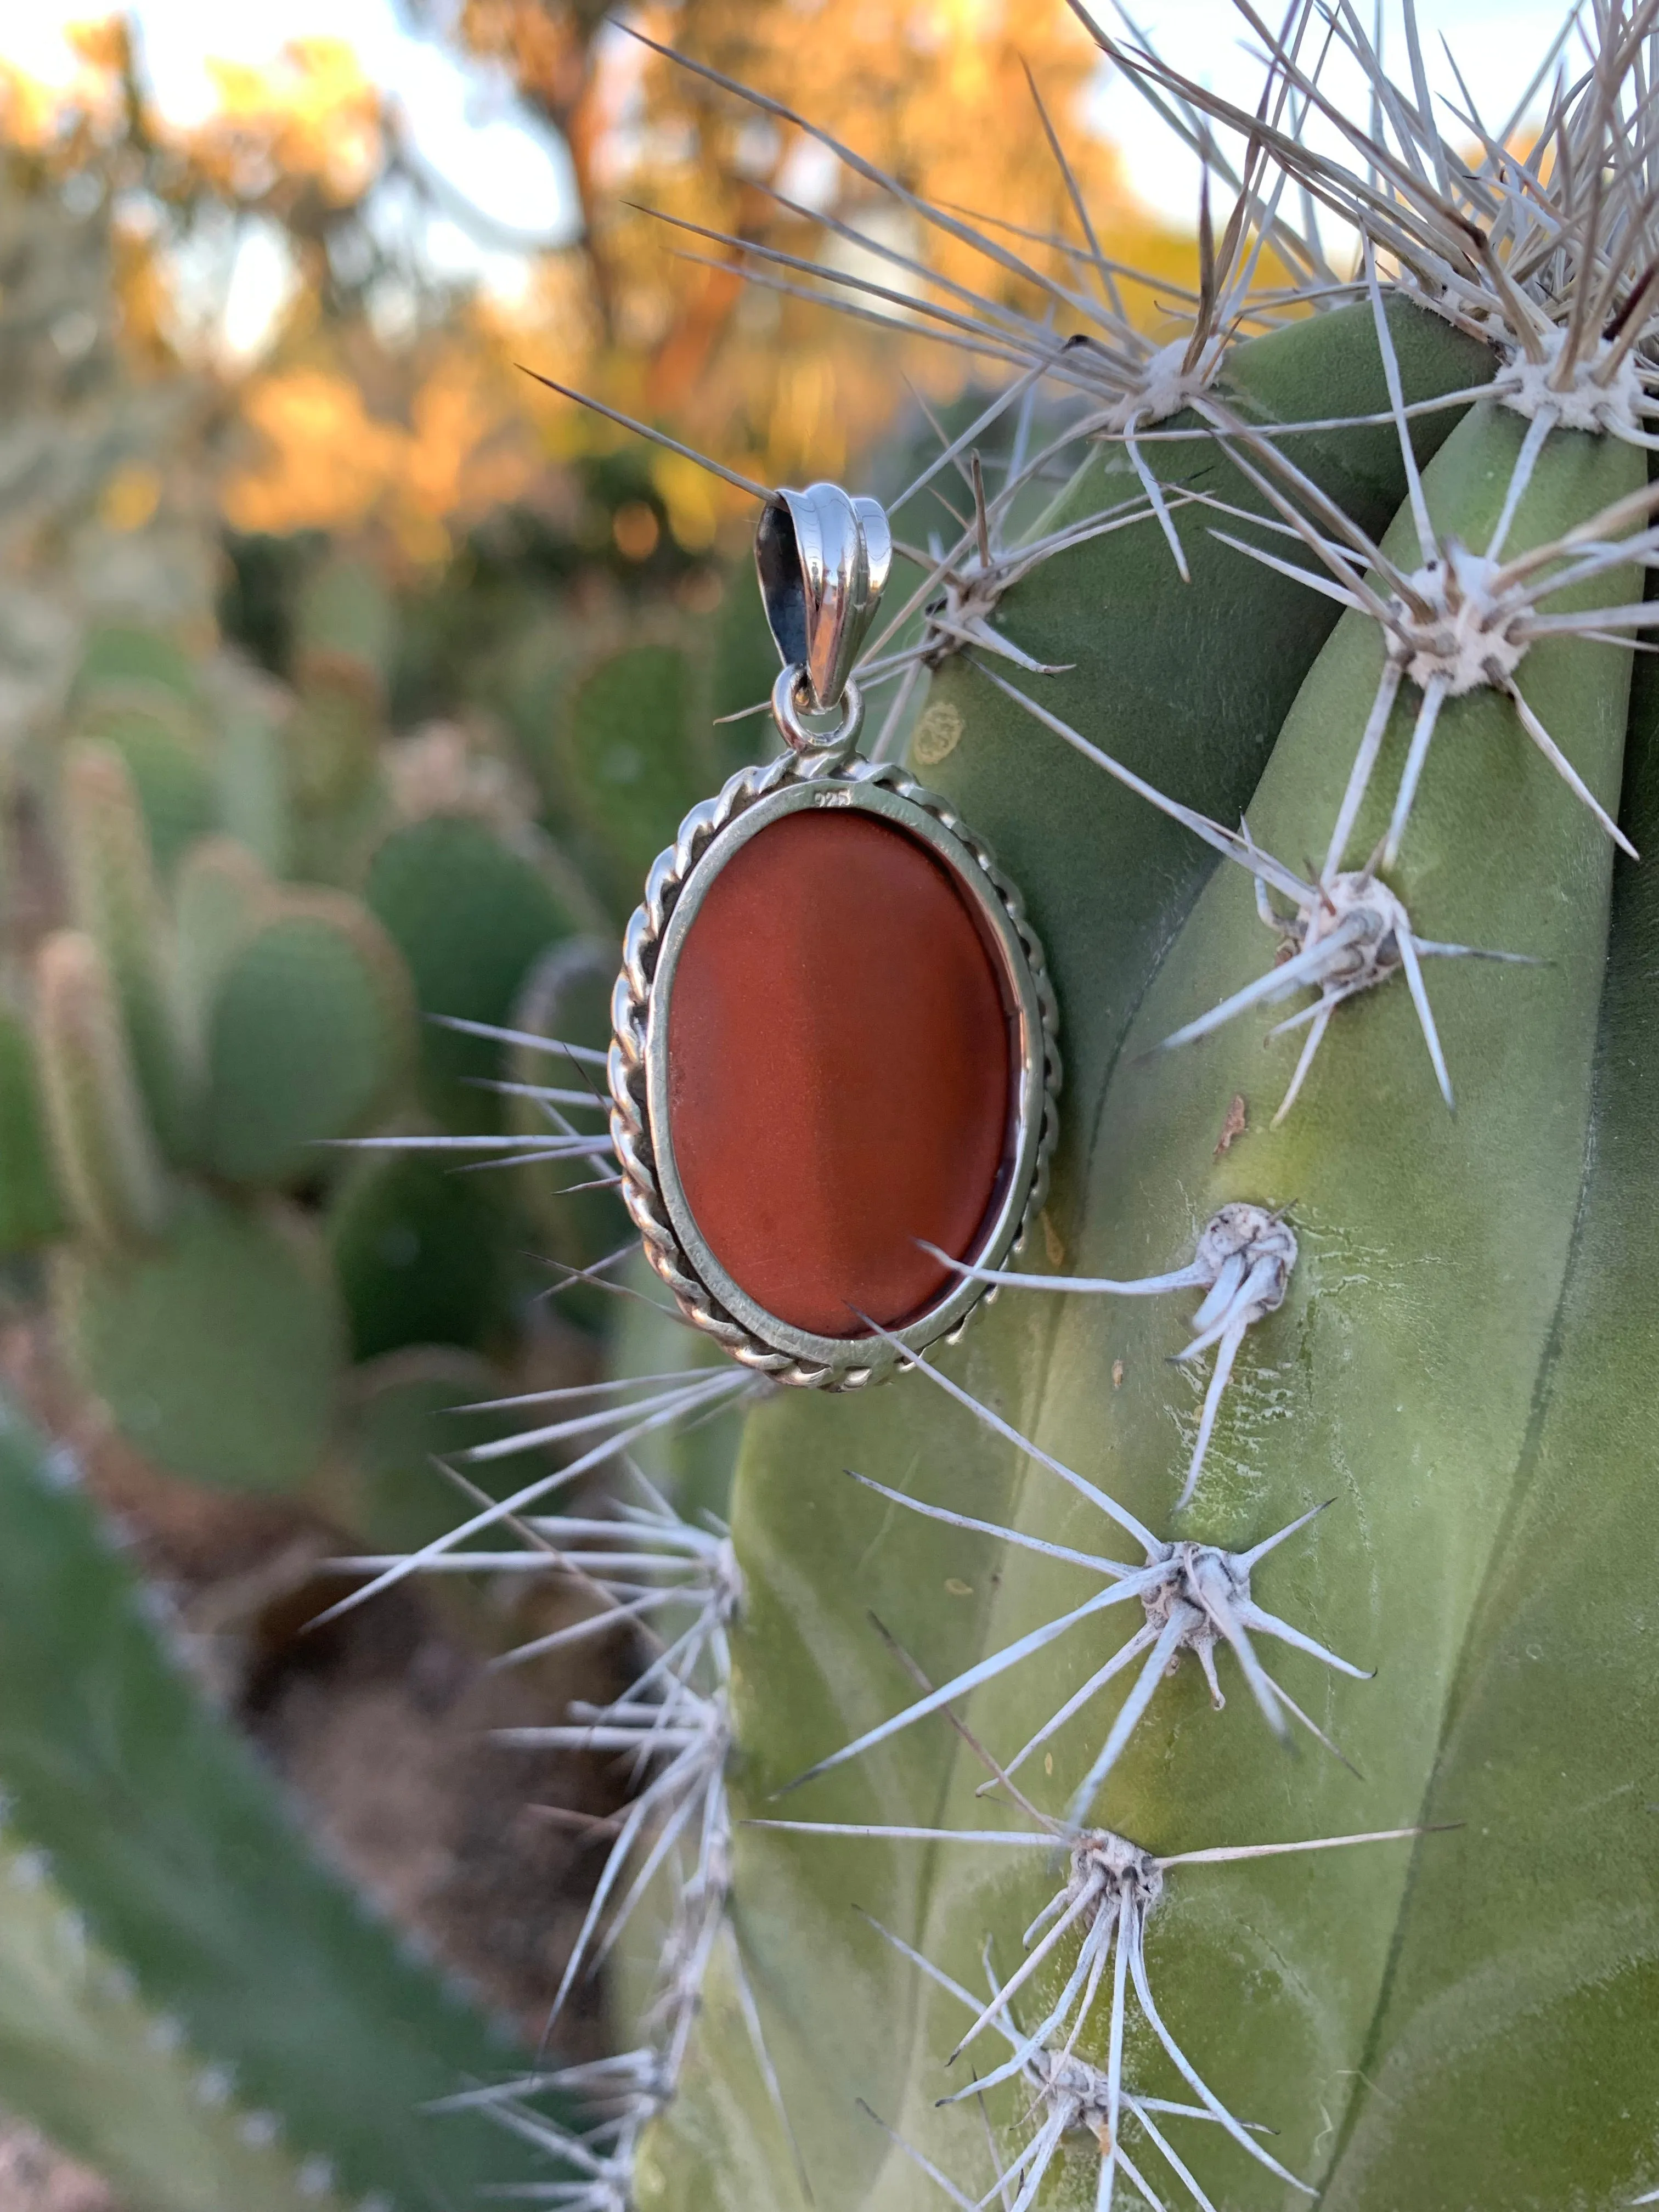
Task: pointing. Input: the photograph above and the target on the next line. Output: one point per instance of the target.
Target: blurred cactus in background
(186, 1055)
(237, 909)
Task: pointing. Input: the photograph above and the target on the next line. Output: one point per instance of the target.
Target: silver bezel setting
(638, 1070)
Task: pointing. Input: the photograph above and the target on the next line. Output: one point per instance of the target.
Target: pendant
(835, 1037)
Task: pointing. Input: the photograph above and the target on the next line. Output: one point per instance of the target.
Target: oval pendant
(835, 1054)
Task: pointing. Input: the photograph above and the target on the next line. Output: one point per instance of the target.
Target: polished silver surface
(638, 1068)
(823, 558)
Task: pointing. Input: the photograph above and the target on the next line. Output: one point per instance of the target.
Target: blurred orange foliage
(328, 462)
(349, 426)
(936, 96)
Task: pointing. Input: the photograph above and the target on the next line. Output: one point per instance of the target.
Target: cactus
(219, 892)
(220, 1042)
(625, 722)
(1555, 1703)
(117, 900)
(951, 1880)
(118, 653)
(425, 1255)
(105, 1156)
(209, 1030)
(627, 754)
(470, 915)
(341, 649)
(158, 736)
(409, 1411)
(255, 804)
(188, 2000)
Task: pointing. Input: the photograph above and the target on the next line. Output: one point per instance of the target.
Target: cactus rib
(1243, 1262)
(1547, 1747)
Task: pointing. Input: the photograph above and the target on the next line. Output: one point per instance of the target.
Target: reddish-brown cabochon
(839, 1070)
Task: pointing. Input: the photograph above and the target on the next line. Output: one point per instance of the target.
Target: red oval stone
(841, 1071)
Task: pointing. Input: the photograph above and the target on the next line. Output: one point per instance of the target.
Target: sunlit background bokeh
(346, 220)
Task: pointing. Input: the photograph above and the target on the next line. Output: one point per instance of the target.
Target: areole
(835, 1039)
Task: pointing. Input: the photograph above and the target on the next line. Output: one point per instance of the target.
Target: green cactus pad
(251, 778)
(270, 1988)
(633, 761)
(106, 1160)
(334, 843)
(117, 901)
(471, 917)
(160, 741)
(32, 1207)
(407, 1410)
(120, 653)
(342, 652)
(567, 997)
(332, 743)
(533, 677)
(1402, 1374)
(221, 892)
(571, 689)
(218, 1353)
(308, 1037)
(425, 1254)
(344, 613)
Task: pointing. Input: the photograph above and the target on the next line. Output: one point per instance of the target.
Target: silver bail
(822, 558)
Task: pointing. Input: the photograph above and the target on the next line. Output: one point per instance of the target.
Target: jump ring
(786, 694)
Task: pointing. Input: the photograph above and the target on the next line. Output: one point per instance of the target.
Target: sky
(464, 115)
(1496, 44)
(465, 122)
